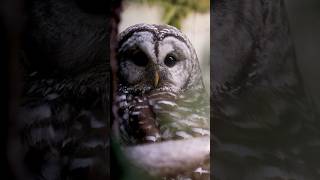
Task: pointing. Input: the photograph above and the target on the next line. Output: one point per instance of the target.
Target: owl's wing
(181, 116)
(163, 115)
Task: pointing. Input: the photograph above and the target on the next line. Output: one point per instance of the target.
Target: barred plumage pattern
(162, 115)
(156, 101)
(64, 126)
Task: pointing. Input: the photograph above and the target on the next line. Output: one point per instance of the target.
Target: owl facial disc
(157, 57)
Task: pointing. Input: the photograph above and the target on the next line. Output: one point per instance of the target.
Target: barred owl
(160, 92)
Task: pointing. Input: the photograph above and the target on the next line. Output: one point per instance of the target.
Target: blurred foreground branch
(169, 157)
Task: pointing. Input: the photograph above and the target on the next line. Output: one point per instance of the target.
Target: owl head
(157, 57)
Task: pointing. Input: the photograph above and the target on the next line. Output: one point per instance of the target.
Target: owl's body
(160, 93)
(162, 115)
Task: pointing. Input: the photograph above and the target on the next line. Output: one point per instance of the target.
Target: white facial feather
(179, 73)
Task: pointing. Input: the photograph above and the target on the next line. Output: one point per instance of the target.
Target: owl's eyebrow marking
(180, 38)
(129, 34)
(175, 36)
(159, 34)
(143, 29)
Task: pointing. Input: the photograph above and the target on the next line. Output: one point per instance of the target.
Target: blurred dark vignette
(305, 28)
(264, 91)
(43, 42)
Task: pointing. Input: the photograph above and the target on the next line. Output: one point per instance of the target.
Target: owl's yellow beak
(156, 79)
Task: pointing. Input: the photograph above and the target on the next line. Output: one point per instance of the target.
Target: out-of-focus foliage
(176, 10)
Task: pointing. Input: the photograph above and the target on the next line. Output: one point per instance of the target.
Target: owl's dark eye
(140, 59)
(170, 61)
